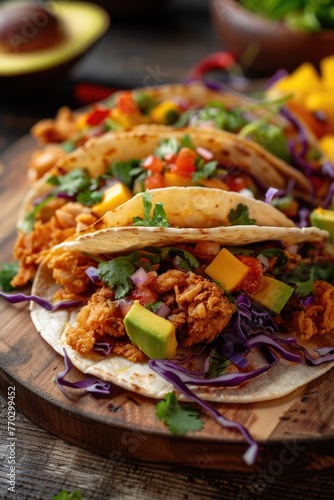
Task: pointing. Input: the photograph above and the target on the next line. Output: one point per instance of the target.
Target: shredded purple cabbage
(326, 354)
(103, 348)
(281, 73)
(92, 385)
(15, 298)
(329, 196)
(164, 370)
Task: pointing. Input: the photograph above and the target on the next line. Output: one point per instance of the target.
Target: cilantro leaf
(116, 274)
(204, 171)
(89, 198)
(301, 278)
(186, 142)
(281, 258)
(166, 146)
(65, 495)
(7, 273)
(71, 183)
(185, 260)
(324, 271)
(179, 419)
(28, 222)
(217, 364)
(125, 171)
(159, 217)
(240, 216)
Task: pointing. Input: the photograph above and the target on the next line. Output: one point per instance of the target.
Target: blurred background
(147, 43)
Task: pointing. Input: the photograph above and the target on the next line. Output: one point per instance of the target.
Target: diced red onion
(270, 194)
(92, 274)
(204, 153)
(141, 278)
(264, 261)
(163, 310)
(124, 306)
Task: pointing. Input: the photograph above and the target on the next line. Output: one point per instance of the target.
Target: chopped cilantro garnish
(281, 258)
(7, 273)
(205, 170)
(217, 364)
(167, 146)
(185, 259)
(186, 142)
(65, 495)
(158, 219)
(144, 101)
(240, 216)
(71, 183)
(27, 225)
(116, 274)
(89, 198)
(125, 171)
(179, 418)
(301, 278)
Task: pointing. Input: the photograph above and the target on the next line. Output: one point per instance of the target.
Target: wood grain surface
(294, 433)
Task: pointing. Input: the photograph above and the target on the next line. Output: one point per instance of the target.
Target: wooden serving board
(295, 432)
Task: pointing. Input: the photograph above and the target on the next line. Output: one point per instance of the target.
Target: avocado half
(83, 24)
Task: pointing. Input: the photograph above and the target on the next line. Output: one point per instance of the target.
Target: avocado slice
(273, 294)
(323, 219)
(82, 25)
(155, 336)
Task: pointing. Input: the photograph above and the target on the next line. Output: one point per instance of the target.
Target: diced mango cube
(227, 269)
(321, 100)
(172, 179)
(159, 113)
(327, 72)
(113, 197)
(326, 144)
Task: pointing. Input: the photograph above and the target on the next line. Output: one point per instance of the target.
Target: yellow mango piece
(327, 72)
(321, 101)
(81, 122)
(326, 144)
(113, 197)
(160, 112)
(227, 270)
(172, 179)
(299, 83)
(127, 120)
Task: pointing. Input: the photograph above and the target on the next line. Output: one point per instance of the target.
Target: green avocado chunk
(155, 336)
(323, 219)
(273, 294)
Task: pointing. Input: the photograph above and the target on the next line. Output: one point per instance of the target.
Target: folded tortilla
(280, 380)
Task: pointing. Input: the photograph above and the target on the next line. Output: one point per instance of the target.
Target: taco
(266, 123)
(209, 285)
(106, 172)
(223, 313)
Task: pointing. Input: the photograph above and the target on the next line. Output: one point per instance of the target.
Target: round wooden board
(295, 432)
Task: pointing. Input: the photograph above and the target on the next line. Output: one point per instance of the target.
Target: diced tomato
(145, 295)
(252, 280)
(236, 183)
(170, 158)
(154, 181)
(185, 162)
(153, 163)
(97, 116)
(126, 103)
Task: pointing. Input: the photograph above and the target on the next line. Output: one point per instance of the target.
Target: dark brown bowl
(263, 46)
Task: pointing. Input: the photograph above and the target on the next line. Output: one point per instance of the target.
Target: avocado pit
(29, 27)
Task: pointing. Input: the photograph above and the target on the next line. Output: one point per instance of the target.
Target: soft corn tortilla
(229, 149)
(280, 380)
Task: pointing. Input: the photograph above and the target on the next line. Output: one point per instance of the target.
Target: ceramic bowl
(262, 46)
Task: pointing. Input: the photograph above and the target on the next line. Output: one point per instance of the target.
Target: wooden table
(132, 54)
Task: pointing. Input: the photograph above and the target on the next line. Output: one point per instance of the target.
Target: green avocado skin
(153, 335)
